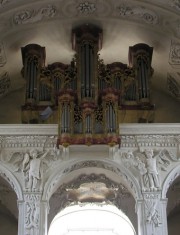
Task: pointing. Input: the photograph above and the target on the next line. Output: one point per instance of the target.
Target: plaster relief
(173, 85)
(5, 83)
(32, 164)
(32, 214)
(152, 211)
(174, 55)
(147, 166)
(2, 56)
(147, 15)
(86, 8)
(32, 16)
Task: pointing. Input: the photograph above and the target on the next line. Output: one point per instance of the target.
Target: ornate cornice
(150, 129)
(124, 129)
(24, 129)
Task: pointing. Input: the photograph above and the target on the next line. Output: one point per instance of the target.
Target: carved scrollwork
(2, 55)
(5, 83)
(26, 142)
(32, 16)
(147, 15)
(174, 56)
(86, 8)
(173, 85)
(151, 209)
(32, 213)
(175, 4)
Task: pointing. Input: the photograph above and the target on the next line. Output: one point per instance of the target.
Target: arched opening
(91, 219)
(102, 195)
(173, 208)
(8, 209)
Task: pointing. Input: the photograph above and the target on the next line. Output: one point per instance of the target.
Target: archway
(93, 185)
(8, 209)
(173, 207)
(91, 219)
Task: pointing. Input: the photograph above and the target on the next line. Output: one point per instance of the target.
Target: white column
(43, 217)
(21, 217)
(32, 215)
(151, 212)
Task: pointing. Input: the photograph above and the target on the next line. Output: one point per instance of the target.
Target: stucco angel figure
(148, 165)
(33, 163)
(32, 167)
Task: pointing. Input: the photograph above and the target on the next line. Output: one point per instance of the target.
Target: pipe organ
(88, 98)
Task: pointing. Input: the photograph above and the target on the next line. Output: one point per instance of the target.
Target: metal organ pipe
(88, 123)
(65, 118)
(143, 78)
(86, 70)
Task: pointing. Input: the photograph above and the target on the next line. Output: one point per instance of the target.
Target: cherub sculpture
(32, 167)
(148, 163)
(33, 163)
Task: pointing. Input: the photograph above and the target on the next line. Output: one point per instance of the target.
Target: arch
(10, 178)
(55, 180)
(169, 180)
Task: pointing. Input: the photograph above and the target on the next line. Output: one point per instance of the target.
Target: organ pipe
(33, 57)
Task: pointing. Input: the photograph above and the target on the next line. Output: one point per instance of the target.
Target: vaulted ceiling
(124, 23)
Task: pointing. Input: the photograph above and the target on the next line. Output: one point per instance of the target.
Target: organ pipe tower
(87, 98)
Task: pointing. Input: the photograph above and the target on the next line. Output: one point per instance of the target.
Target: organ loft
(87, 98)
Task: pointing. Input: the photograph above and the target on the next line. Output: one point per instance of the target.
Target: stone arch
(10, 178)
(55, 180)
(75, 173)
(170, 179)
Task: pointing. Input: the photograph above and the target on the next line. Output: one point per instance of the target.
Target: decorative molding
(5, 84)
(112, 192)
(4, 3)
(152, 214)
(32, 213)
(147, 15)
(27, 142)
(23, 130)
(151, 141)
(32, 16)
(175, 4)
(173, 84)
(174, 55)
(10, 178)
(124, 129)
(2, 56)
(86, 8)
(150, 129)
(52, 183)
(170, 179)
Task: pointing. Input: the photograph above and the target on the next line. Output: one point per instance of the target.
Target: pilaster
(151, 212)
